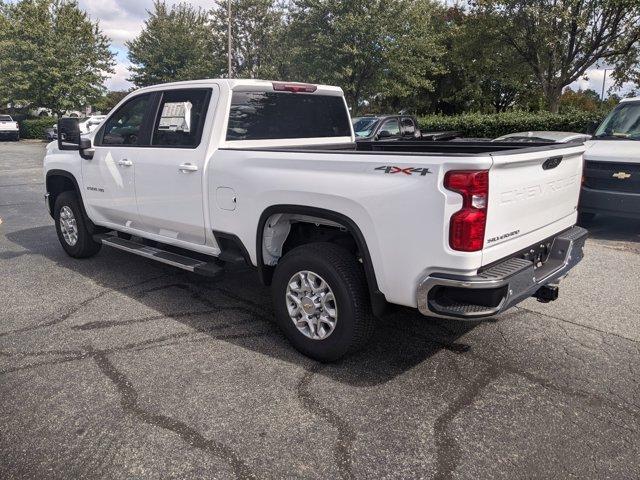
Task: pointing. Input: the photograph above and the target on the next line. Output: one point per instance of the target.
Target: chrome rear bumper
(502, 285)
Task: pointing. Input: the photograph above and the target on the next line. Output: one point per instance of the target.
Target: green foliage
(176, 43)
(51, 55)
(105, 103)
(483, 73)
(494, 125)
(35, 127)
(374, 49)
(560, 39)
(257, 36)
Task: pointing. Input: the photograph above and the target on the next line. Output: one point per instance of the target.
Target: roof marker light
(294, 87)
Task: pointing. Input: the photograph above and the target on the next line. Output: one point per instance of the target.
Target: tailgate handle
(552, 162)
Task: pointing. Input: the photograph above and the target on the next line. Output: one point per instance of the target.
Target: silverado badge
(621, 175)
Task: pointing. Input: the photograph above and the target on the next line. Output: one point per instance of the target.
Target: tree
(257, 29)
(373, 49)
(586, 100)
(106, 103)
(52, 55)
(627, 68)
(176, 43)
(482, 72)
(560, 39)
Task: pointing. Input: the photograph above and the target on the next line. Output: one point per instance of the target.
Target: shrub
(35, 127)
(495, 125)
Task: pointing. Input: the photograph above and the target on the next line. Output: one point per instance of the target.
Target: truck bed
(424, 148)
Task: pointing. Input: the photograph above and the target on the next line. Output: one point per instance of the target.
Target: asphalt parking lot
(118, 367)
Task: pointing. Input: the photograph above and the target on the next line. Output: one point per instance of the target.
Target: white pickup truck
(9, 128)
(612, 165)
(198, 173)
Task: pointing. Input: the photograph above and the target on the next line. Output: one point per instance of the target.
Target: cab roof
(241, 84)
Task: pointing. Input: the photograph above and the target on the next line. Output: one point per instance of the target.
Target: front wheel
(71, 227)
(322, 302)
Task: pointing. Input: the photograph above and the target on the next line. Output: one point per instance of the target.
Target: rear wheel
(321, 301)
(16, 137)
(71, 227)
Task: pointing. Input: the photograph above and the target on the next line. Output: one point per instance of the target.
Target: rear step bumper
(501, 286)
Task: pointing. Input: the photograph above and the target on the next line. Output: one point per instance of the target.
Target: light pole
(229, 35)
(604, 81)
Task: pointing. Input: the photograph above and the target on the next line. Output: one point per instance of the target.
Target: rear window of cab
(283, 115)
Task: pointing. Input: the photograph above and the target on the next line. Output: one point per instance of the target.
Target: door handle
(188, 167)
(125, 163)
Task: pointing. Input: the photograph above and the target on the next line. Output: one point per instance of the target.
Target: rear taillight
(467, 226)
(294, 87)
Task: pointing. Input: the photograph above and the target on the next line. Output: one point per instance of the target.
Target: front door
(169, 173)
(109, 178)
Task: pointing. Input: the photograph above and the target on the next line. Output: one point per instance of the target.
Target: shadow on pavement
(615, 229)
(402, 340)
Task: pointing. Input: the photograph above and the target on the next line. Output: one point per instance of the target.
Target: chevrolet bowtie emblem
(621, 175)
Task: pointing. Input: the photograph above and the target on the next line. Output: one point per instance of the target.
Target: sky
(122, 20)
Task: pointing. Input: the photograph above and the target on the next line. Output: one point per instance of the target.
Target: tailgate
(533, 194)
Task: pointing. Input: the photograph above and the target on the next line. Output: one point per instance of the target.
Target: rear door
(169, 172)
(533, 194)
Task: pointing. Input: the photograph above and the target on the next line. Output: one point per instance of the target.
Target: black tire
(16, 137)
(85, 246)
(585, 218)
(345, 276)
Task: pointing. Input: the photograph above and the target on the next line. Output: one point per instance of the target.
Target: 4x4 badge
(405, 170)
(621, 175)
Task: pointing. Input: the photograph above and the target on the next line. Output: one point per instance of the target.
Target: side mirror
(384, 134)
(70, 138)
(68, 134)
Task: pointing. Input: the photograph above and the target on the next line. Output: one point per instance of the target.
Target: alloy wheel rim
(68, 226)
(311, 305)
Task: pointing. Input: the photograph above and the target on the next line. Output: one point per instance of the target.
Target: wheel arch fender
(378, 300)
(58, 181)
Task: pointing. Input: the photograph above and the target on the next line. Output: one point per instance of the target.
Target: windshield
(5, 118)
(364, 127)
(623, 123)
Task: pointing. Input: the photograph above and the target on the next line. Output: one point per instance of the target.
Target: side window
(181, 118)
(123, 127)
(391, 126)
(408, 127)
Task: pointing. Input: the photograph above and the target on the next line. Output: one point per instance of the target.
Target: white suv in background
(9, 128)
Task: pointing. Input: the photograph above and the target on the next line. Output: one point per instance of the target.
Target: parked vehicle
(9, 128)
(89, 124)
(612, 165)
(544, 136)
(51, 133)
(269, 174)
(385, 127)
